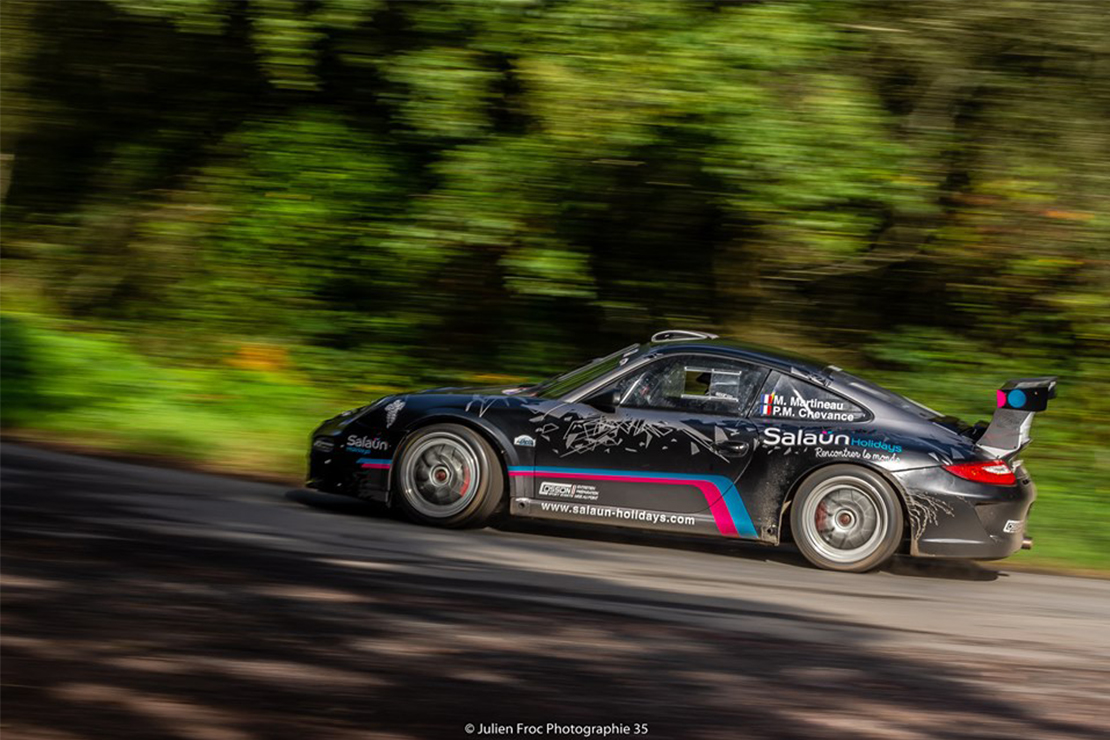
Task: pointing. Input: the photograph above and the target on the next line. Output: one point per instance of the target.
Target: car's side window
(786, 397)
(695, 383)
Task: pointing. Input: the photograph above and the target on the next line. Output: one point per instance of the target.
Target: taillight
(992, 471)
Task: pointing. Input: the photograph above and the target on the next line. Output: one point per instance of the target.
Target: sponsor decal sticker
(548, 488)
(524, 441)
(618, 512)
(776, 437)
(877, 444)
(568, 490)
(366, 444)
(866, 448)
(1011, 526)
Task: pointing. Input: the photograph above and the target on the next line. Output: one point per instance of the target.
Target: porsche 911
(693, 434)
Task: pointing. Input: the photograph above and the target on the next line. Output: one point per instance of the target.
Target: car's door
(673, 440)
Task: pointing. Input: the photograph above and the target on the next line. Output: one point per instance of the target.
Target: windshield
(894, 399)
(563, 384)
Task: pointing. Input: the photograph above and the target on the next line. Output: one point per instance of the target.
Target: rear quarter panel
(788, 452)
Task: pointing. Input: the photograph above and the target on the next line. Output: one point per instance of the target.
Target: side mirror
(605, 401)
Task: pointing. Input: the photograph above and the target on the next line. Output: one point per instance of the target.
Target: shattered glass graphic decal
(924, 509)
(481, 404)
(601, 433)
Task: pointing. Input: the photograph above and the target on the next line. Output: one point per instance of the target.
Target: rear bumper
(950, 517)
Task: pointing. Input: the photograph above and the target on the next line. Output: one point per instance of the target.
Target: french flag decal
(768, 403)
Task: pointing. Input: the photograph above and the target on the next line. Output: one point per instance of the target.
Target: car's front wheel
(449, 476)
(845, 517)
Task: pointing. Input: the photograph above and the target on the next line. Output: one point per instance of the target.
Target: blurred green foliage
(224, 220)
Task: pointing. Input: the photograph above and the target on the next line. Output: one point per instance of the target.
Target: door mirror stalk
(606, 401)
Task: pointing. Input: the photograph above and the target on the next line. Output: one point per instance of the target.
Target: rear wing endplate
(1017, 401)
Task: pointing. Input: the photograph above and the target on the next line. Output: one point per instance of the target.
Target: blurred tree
(463, 178)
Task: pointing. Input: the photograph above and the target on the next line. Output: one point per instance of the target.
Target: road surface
(141, 602)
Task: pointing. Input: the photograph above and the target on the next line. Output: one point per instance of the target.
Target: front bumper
(950, 517)
(348, 473)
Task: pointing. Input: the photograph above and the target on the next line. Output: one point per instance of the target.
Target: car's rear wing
(1017, 401)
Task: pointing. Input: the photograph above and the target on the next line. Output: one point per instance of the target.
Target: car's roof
(865, 392)
(778, 359)
(794, 364)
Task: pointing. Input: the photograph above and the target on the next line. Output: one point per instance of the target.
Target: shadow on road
(956, 570)
(339, 504)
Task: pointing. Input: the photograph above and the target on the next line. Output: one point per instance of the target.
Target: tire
(846, 518)
(449, 476)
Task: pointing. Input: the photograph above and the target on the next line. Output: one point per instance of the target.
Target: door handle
(735, 446)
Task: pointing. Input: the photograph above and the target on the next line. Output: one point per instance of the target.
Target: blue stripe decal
(736, 508)
(725, 486)
(374, 460)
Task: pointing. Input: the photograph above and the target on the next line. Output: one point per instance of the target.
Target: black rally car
(689, 433)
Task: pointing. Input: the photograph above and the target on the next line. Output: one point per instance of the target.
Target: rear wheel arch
(899, 492)
(848, 517)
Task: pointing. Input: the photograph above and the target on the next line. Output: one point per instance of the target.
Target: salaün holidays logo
(775, 437)
(373, 444)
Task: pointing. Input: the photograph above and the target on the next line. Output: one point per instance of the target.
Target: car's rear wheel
(449, 476)
(846, 518)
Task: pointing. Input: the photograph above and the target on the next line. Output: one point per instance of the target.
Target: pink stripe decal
(713, 496)
(376, 466)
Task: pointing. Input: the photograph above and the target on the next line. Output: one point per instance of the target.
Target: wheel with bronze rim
(449, 476)
(846, 517)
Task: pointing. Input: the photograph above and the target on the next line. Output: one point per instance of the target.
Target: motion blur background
(223, 222)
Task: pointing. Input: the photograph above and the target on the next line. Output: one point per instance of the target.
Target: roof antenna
(678, 335)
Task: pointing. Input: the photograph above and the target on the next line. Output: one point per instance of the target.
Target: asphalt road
(144, 602)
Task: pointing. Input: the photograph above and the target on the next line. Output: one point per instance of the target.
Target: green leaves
(373, 166)
(285, 34)
(446, 92)
(288, 35)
